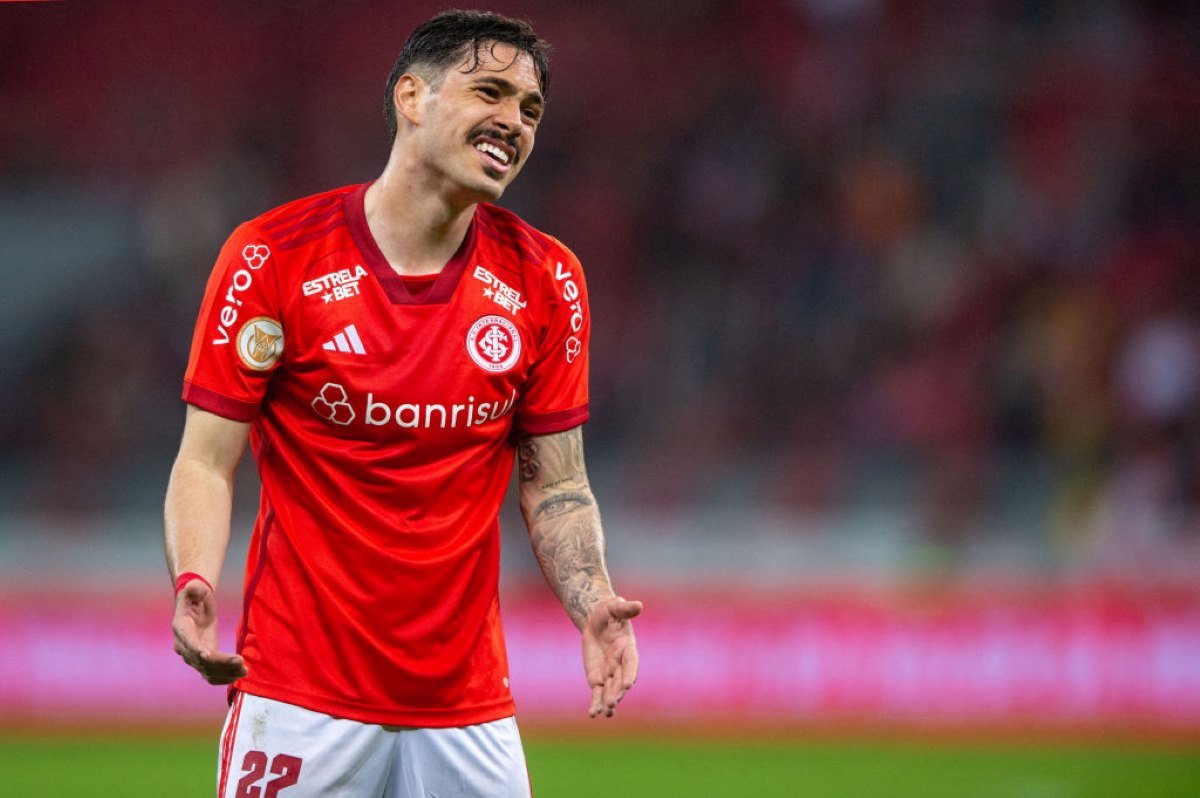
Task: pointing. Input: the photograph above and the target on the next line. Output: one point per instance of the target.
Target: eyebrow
(510, 87)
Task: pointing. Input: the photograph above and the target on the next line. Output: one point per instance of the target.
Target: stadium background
(896, 364)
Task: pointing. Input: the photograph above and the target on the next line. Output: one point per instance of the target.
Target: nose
(508, 116)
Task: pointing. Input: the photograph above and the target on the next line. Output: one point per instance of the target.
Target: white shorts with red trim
(270, 749)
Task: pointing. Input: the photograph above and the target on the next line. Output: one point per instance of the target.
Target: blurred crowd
(935, 257)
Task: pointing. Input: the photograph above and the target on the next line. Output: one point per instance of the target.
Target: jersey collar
(391, 282)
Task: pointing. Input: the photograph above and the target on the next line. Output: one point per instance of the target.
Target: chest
(368, 366)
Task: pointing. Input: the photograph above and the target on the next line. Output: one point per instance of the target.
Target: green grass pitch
(42, 766)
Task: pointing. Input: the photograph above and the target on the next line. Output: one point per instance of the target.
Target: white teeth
(491, 149)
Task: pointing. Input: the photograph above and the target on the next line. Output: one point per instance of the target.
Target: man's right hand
(195, 628)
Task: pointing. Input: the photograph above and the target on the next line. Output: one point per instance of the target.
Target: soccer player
(387, 350)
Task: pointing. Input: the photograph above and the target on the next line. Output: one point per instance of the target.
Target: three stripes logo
(346, 341)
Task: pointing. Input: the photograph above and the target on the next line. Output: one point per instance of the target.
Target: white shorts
(269, 749)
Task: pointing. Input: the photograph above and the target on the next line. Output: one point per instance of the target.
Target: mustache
(494, 133)
(510, 139)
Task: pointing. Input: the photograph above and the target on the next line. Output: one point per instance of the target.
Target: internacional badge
(494, 343)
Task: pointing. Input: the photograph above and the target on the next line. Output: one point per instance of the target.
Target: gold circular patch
(260, 343)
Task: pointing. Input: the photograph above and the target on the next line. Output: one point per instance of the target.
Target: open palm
(610, 656)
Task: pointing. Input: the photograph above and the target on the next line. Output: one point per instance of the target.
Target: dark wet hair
(443, 41)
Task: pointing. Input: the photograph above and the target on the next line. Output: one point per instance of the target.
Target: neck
(417, 225)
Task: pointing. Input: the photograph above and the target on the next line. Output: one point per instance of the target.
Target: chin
(487, 190)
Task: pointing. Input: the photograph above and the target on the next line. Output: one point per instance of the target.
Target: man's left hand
(610, 656)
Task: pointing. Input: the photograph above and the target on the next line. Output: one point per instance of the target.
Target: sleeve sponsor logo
(570, 294)
(336, 286)
(499, 291)
(260, 343)
(494, 344)
(574, 347)
(255, 256)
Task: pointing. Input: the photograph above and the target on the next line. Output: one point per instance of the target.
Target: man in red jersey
(387, 350)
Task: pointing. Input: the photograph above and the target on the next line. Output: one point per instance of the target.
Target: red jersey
(383, 413)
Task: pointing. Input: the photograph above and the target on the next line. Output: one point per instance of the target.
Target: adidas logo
(345, 341)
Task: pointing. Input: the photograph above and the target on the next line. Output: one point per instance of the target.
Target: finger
(186, 648)
(615, 687)
(629, 667)
(222, 678)
(218, 668)
(187, 633)
(219, 658)
(624, 609)
(194, 657)
(217, 662)
(597, 701)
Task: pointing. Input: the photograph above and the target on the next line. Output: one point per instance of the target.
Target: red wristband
(188, 576)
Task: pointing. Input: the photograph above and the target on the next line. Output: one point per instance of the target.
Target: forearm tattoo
(527, 455)
(563, 520)
(561, 453)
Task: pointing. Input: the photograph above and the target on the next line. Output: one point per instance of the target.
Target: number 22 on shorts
(285, 768)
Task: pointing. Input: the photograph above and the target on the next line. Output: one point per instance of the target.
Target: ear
(409, 92)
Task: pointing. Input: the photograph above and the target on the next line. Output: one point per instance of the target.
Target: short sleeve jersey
(384, 412)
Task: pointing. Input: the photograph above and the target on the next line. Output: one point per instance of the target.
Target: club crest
(494, 343)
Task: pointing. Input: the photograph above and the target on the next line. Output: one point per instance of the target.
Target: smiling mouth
(497, 154)
(491, 149)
